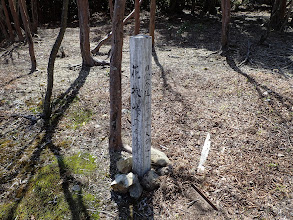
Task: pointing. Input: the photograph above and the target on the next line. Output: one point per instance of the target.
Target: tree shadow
(276, 100)
(174, 96)
(76, 206)
(194, 31)
(14, 79)
(286, 102)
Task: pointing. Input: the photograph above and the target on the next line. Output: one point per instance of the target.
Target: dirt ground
(247, 107)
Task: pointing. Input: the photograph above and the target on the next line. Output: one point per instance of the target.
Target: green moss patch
(51, 195)
(82, 163)
(79, 117)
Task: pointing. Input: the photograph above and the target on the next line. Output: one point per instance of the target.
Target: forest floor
(246, 107)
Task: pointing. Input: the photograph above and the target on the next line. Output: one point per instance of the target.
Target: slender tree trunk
(35, 16)
(192, 6)
(15, 19)
(28, 34)
(278, 14)
(152, 20)
(136, 17)
(115, 141)
(83, 16)
(111, 8)
(26, 11)
(226, 13)
(3, 29)
(51, 63)
(7, 20)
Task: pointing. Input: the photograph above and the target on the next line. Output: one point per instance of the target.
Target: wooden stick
(203, 196)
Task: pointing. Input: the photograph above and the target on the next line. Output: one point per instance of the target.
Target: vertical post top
(140, 36)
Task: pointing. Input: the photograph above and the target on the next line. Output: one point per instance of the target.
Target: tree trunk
(26, 11)
(152, 20)
(289, 11)
(115, 141)
(192, 7)
(111, 8)
(7, 20)
(28, 34)
(15, 19)
(278, 14)
(226, 9)
(50, 69)
(136, 17)
(83, 16)
(35, 16)
(3, 29)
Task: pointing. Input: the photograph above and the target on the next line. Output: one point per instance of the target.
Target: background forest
(223, 68)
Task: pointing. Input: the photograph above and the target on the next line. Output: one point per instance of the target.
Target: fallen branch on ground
(203, 196)
(109, 35)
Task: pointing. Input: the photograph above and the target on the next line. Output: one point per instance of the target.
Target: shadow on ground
(76, 205)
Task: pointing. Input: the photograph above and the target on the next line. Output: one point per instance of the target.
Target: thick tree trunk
(108, 37)
(136, 17)
(28, 34)
(16, 20)
(35, 16)
(152, 20)
(51, 63)
(115, 141)
(226, 13)
(7, 20)
(83, 16)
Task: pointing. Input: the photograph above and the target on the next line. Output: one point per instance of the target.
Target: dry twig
(203, 196)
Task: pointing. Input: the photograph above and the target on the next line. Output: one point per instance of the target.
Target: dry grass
(247, 110)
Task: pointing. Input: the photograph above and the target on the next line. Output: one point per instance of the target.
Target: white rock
(124, 165)
(122, 182)
(159, 158)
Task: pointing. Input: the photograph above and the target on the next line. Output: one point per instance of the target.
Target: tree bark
(115, 141)
(50, 70)
(3, 29)
(136, 17)
(83, 16)
(152, 20)
(16, 20)
(111, 8)
(28, 34)
(278, 14)
(35, 16)
(226, 13)
(7, 20)
(105, 39)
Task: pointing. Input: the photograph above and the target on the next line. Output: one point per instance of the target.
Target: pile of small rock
(127, 181)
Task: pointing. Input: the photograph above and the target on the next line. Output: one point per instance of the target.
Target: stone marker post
(140, 83)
